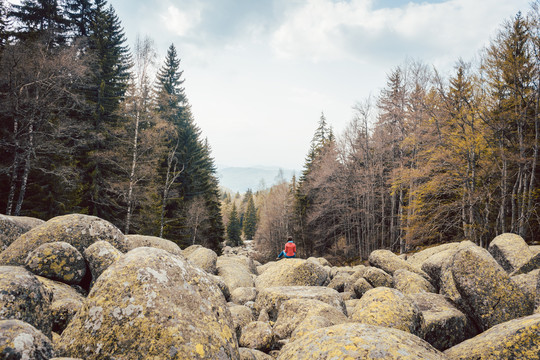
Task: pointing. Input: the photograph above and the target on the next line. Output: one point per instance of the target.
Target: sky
(259, 73)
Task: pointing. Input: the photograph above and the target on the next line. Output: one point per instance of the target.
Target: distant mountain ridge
(240, 179)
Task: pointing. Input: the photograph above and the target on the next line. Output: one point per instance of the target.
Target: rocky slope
(76, 287)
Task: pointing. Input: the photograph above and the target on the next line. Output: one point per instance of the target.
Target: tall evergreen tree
(249, 225)
(234, 228)
(80, 13)
(198, 176)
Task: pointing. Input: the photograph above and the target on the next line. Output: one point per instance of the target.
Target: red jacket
(290, 248)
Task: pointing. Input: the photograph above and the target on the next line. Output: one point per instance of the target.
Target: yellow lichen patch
(199, 349)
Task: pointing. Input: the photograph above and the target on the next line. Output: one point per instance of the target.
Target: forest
(428, 160)
(87, 126)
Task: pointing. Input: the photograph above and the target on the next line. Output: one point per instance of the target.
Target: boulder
(292, 272)
(340, 281)
(136, 241)
(359, 341)
(205, 259)
(154, 303)
(241, 316)
(23, 297)
(19, 340)
(434, 265)
(99, 256)
(444, 325)
(532, 264)
(411, 283)
(270, 299)
(257, 335)
(389, 308)
(77, 230)
(530, 284)
(57, 261)
(9, 231)
(514, 339)
(25, 223)
(252, 354)
(361, 286)
(418, 259)
(510, 251)
(310, 323)
(242, 295)
(66, 302)
(234, 272)
(377, 277)
(292, 312)
(187, 251)
(390, 262)
(488, 293)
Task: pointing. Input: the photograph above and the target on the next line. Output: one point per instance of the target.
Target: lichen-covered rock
(270, 299)
(418, 259)
(57, 261)
(435, 264)
(99, 256)
(66, 302)
(154, 303)
(361, 286)
(532, 264)
(257, 335)
(510, 251)
(377, 277)
(292, 312)
(19, 340)
(234, 272)
(389, 308)
(9, 231)
(359, 341)
(390, 262)
(340, 281)
(515, 339)
(310, 323)
(488, 293)
(444, 326)
(241, 316)
(252, 354)
(24, 298)
(205, 259)
(530, 284)
(242, 295)
(187, 251)
(292, 272)
(77, 230)
(136, 241)
(411, 283)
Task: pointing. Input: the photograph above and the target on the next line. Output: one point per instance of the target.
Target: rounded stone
(19, 340)
(57, 261)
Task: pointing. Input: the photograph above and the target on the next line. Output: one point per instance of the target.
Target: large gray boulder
(487, 292)
(389, 308)
(390, 263)
(359, 341)
(444, 325)
(514, 339)
(292, 312)
(418, 259)
(257, 335)
(510, 251)
(242, 295)
(66, 302)
(77, 230)
(204, 258)
(11, 227)
(235, 272)
(241, 316)
(377, 277)
(270, 299)
(411, 283)
(154, 303)
(23, 297)
(292, 272)
(57, 261)
(436, 263)
(19, 340)
(252, 354)
(99, 256)
(136, 241)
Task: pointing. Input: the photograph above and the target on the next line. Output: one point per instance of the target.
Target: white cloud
(180, 22)
(326, 30)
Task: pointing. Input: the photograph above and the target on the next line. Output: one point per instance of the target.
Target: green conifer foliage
(234, 228)
(250, 217)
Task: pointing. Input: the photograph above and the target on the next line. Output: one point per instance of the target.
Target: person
(290, 249)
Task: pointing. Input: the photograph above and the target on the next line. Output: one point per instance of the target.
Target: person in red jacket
(290, 249)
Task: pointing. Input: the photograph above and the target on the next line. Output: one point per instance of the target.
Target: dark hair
(289, 238)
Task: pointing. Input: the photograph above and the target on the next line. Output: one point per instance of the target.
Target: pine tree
(233, 228)
(80, 13)
(40, 19)
(197, 180)
(250, 217)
